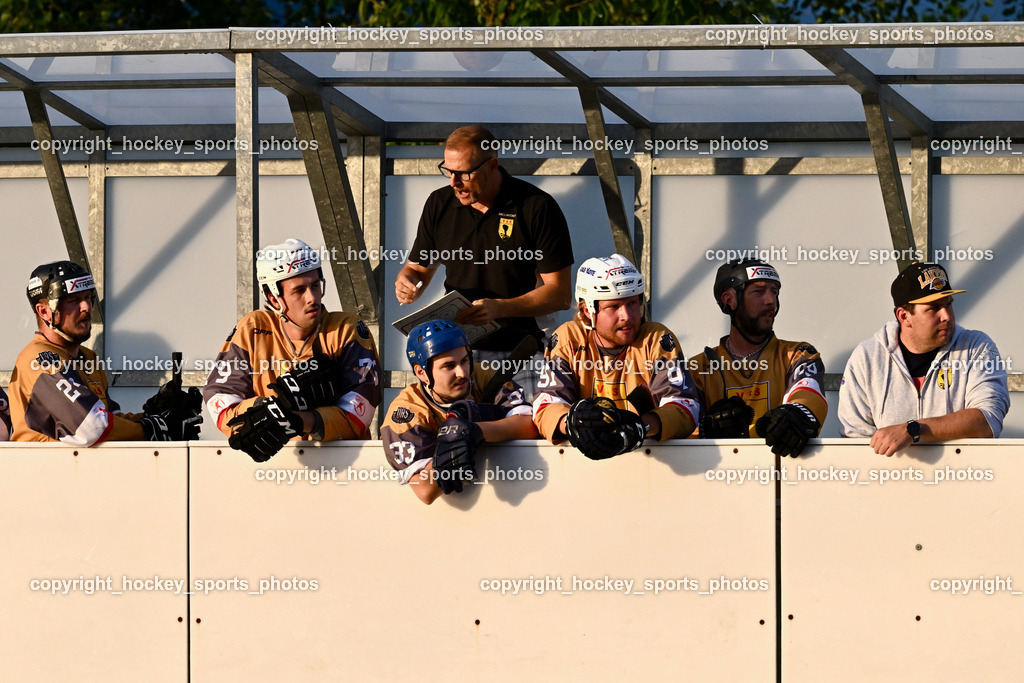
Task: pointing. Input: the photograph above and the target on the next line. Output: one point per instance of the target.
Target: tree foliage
(44, 16)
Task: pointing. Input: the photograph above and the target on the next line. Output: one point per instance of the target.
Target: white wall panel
(863, 564)
(113, 516)
(399, 584)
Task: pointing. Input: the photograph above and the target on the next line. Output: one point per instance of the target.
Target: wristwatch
(914, 429)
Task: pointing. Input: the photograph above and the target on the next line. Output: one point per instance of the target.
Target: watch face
(914, 429)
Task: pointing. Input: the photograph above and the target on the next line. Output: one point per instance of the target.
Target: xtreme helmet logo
(762, 273)
(79, 284)
(303, 262)
(621, 270)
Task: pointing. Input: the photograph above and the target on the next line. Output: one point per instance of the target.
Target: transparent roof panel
(742, 104)
(14, 111)
(485, 105)
(942, 60)
(173, 106)
(664, 63)
(966, 102)
(453, 65)
(123, 67)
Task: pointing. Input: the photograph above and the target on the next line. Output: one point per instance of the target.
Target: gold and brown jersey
(648, 374)
(57, 397)
(784, 372)
(409, 432)
(258, 352)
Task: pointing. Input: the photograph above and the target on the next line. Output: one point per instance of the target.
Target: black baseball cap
(921, 283)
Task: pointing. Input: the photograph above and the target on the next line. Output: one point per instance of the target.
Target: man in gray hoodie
(923, 377)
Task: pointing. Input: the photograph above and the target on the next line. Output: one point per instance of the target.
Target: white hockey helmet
(278, 262)
(607, 278)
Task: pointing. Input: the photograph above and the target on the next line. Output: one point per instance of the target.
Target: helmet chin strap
(285, 318)
(437, 397)
(51, 324)
(592, 314)
(430, 380)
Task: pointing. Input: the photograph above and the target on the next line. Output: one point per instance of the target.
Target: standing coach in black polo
(504, 244)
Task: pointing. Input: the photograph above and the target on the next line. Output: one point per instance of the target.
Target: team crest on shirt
(553, 341)
(46, 359)
(667, 343)
(754, 395)
(362, 330)
(401, 415)
(505, 225)
(616, 391)
(944, 378)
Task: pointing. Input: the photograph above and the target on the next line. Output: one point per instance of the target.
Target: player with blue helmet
(435, 426)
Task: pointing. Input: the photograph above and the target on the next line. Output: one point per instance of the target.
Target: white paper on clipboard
(446, 308)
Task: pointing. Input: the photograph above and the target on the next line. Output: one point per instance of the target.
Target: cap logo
(933, 279)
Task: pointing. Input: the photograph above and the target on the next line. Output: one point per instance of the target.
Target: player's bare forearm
(509, 428)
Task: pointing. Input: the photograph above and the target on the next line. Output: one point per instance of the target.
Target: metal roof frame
(924, 64)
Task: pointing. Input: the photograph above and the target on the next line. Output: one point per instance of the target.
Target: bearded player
(293, 370)
(435, 426)
(612, 379)
(754, 383)
(59, 388)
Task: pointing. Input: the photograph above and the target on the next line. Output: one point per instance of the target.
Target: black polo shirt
(498, 254)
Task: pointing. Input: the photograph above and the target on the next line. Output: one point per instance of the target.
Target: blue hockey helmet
(432, 339)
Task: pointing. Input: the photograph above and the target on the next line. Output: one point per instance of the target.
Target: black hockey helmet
(53, 281)
(736, 274)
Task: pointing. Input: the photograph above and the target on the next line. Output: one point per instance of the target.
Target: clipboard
(446, 308)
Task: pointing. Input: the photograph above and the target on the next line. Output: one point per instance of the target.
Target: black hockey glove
(455, 454)
(311, 384)
(471, 411)
(600, 430)
(172, 396)
(264, 429)
(171, 425)
(728, 418)
(788, 428)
